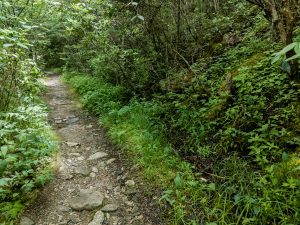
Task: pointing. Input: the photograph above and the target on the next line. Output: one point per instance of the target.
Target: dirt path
(92, 185)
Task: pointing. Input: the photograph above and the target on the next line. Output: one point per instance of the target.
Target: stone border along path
(91, 184)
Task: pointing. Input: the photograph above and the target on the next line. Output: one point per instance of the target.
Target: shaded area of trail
(92, 183)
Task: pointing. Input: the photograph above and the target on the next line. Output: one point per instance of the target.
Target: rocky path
(92, 184)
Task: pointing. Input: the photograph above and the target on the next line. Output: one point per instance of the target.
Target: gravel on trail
(91, 175)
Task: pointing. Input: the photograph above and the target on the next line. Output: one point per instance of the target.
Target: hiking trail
(93, 184)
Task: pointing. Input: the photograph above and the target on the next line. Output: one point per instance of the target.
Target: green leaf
(276, 58)
(297, 49)
(285, 156)
(4, 182)
(133, 3)
(212, 187)
(237, 198)
(286, 67)
(177, 181)
(141, 17)
(287, 48)
(22, 46)
(4, 150)
(7, 45)
(292, 58)
(3, 166)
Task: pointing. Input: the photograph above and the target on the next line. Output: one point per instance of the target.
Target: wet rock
(26, 221)
(97, 155)
(98, 218)
(86, 200)
(110, 208)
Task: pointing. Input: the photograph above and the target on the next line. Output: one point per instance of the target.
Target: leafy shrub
(18, 72)
(249, 128)
(26, 148)
(98, 96)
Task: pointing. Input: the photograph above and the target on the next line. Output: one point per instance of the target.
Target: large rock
(97, 155)
(26, 221)
(98, 218)
(86, 200)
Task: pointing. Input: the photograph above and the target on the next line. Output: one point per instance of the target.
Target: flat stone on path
(87, 200)
(110, 208)
(72, 144)
(26, 221)
(110, 161)
(98, 218)
(82, 170)
(97, 155)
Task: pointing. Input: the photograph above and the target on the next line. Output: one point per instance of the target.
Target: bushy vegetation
(26, 142)
(203, 94)
(191, 92)
(26, 149)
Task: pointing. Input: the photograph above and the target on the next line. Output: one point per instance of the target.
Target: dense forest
(202, 94)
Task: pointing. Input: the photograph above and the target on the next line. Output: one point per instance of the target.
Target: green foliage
(282, 54)
(18, 72)
(235, 192)
(98, 96)
(26, 143)
(188, 88)
(26, 147)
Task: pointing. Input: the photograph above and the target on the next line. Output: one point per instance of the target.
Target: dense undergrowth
(26, 149)
(198, 92)
(256, 184)
(220, 137)
(26, 141)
